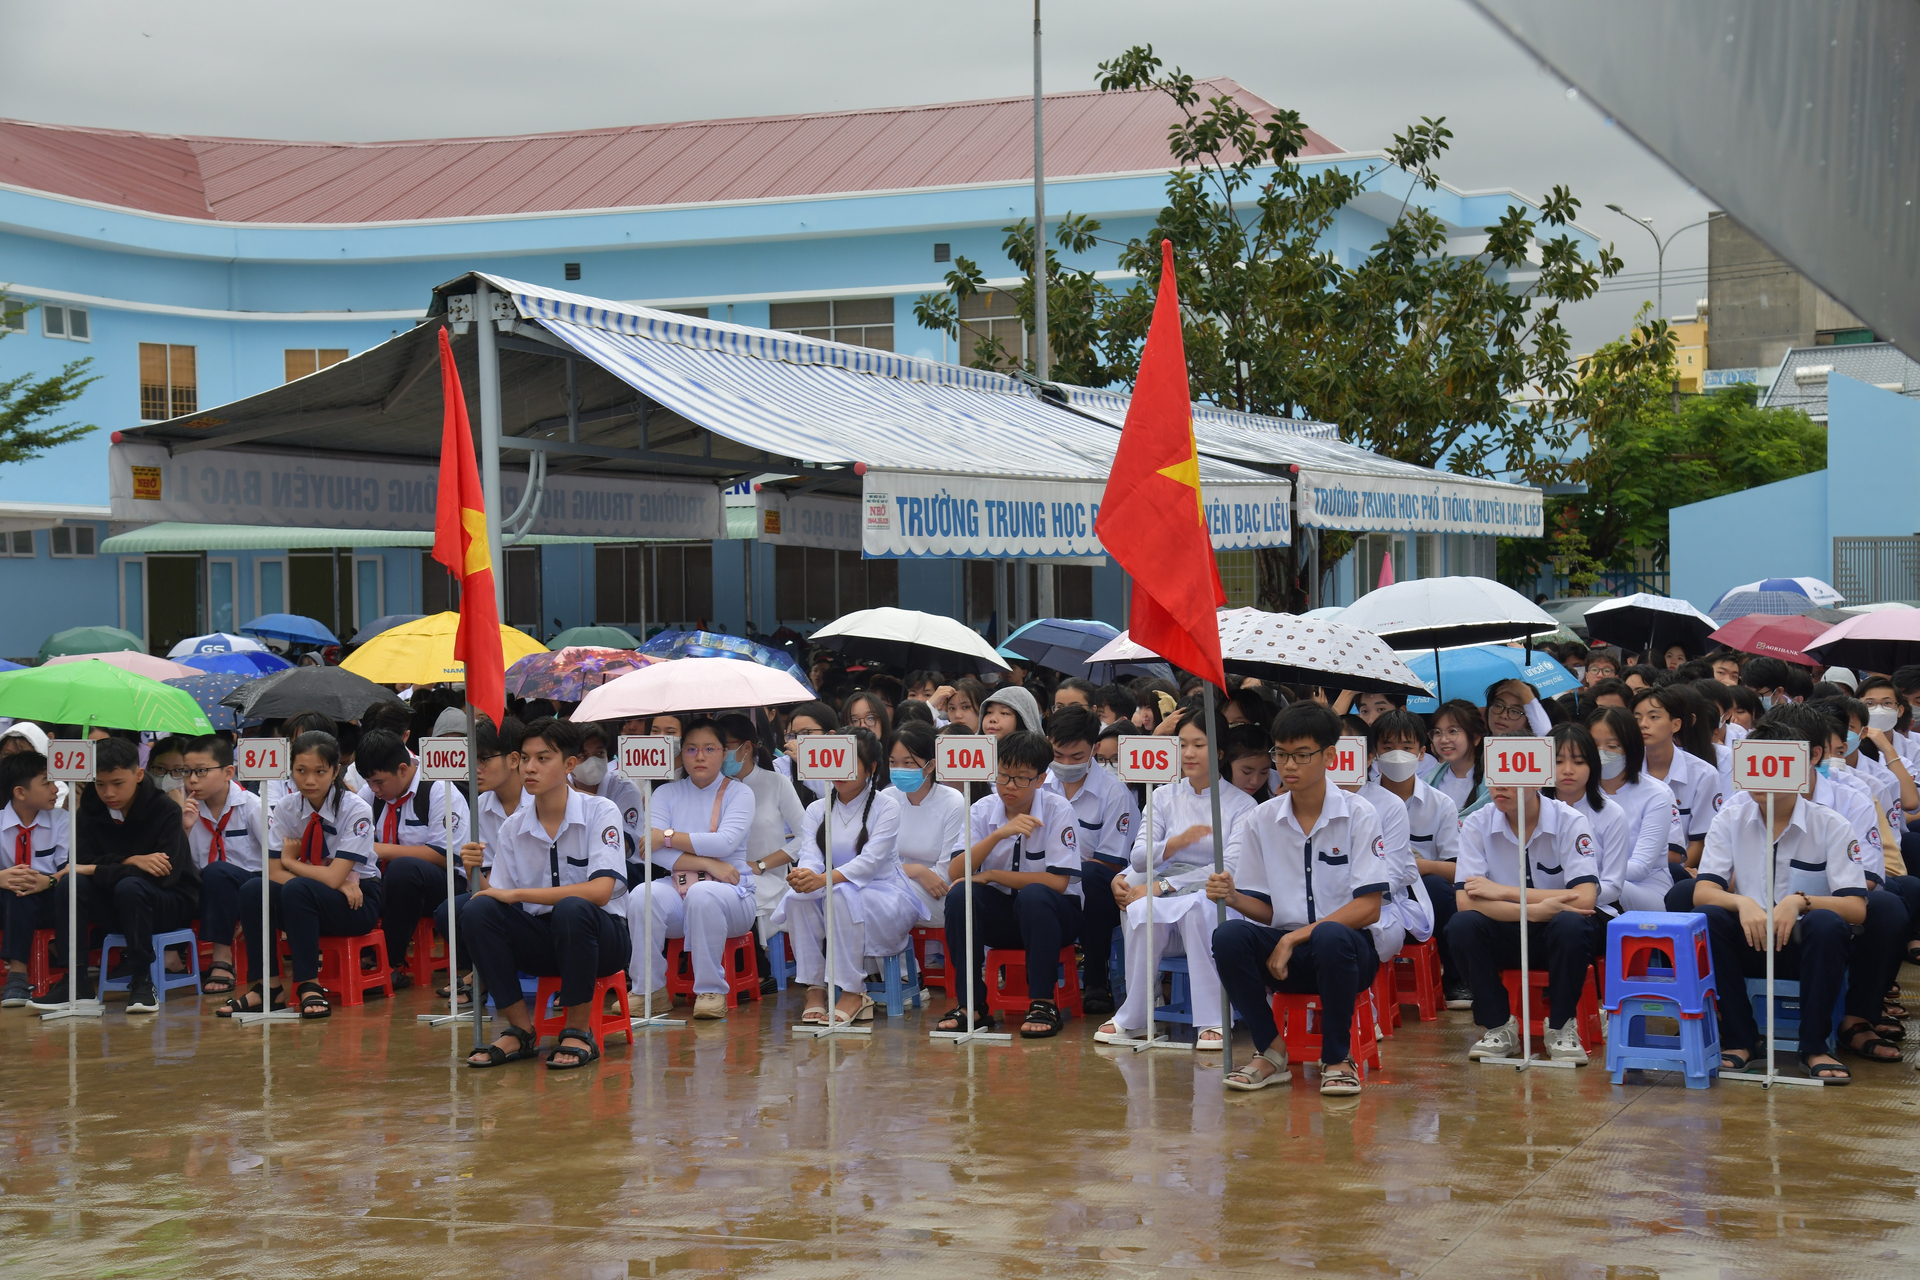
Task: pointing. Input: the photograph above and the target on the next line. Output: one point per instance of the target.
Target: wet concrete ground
(178, 1144)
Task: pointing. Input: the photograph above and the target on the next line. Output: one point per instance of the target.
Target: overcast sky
(1357, 71)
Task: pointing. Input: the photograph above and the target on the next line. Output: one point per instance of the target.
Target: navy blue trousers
(1335, 962)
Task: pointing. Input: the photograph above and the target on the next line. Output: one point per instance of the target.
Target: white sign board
(966, 758)
(260, 759)
(444, 759)
(1150, 758)
(1519, 762)
(70, 761)
(808, 520)
(826, 757)
(1770, 766)
(1432, 503)
(648, 757)
(1347, 763)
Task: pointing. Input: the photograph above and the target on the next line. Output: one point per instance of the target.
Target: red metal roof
(905, 148)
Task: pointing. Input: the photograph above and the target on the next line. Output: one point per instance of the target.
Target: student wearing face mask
(1106, 815)
(933, 818)
(1665, 716)
(1648, 804)
(596, 775)
(1577, 779)
(1433, 834)
(773, 840)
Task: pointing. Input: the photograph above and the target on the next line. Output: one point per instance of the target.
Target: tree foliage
(26, 401)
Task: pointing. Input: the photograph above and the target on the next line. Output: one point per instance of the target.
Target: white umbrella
(1294, 650)
(1433, 613)
(691, 684)
(1645, 621)
(216, 642)
(909, 639)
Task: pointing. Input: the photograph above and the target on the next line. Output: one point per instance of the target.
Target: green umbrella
(593, 638)
(90, 640)
(93, 694)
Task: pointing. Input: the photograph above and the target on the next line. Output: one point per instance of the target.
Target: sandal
(466, 994)
(954, 1020)
(815, 1015)
(1731, 1063)
(1111, 1032)
(313, 1001)
(214, 969)
(1889, 1028)
(1340, 1079)
(1862, 1041)
(496, 1056)
(1246, 1079)
(581, 1057)
(1205, 1045)
(1047, 1014)
(864, 1013)
(245, 1004)
(1830, 1072)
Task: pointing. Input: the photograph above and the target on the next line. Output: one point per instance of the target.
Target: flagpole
(1219, 868)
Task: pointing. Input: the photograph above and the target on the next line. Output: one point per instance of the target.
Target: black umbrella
(1653, 623)
(332, 691)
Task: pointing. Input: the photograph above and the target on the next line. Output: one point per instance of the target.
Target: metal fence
(1867, 570)
(1622, 582)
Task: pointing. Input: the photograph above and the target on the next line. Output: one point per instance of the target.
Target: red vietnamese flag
(460, 543)
(1151, 519)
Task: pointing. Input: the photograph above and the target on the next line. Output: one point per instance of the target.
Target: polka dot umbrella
(1293, 650)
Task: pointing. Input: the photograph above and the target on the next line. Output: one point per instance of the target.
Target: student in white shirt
(933, 818)
(551, 905)
(1395, 740)
(274, 790)
(804, 721)
(701, 823)
(34, 840)
(1458, 733)
(1646, 881)
(1819, 893)
(1664, 715)
(597, 776)
(1311, 876)
(1105, 812)
(1563, 882)
(1025, 857)
(1514, 711)
(326, 881)
(873, 906)
(224, 829)
(778, 817)
(498, 766)
(409, 838)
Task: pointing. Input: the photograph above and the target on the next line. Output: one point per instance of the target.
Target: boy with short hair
(1113, 703)
(224, 831)
(409, 838)
(136, 874)
(33, 851)
(1104, 810)
(1025, 855)
(1312, 874)
(549, 908)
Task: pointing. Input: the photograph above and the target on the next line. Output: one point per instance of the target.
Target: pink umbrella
(140, 664)
(691, 684)
(1879, 641)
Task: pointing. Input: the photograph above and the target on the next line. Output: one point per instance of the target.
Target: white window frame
(361, 614)
(71, 554)
(265, 560)
(6, 545)
(139, 563)
(66, 322)
(13, 314)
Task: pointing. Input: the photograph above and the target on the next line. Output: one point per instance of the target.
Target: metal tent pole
(1040, 362)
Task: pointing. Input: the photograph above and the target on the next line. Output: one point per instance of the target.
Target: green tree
(26, 401)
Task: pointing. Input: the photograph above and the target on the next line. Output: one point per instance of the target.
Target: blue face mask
(730, 765)
(1826, 768)
(908, 780)
(1853, 743)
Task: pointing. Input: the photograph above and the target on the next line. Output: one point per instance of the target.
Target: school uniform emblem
(1717, 799)
(1126, 824)
(1069, 838)
(1584, 844)
(632, 816)
(1379, 847)
(610, 838)
(1853, 850)
(362, 826)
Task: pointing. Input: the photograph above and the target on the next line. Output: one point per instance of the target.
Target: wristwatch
(759, 866)
(669, 831)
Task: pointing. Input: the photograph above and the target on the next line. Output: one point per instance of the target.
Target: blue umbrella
(1065, 644)
(717, 644)
(249, 664)
(1466, 673)
(384, 623)
(291, 627)
(10, 666)
(207, 691)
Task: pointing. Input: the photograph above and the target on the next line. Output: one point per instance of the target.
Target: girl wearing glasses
(1514, 711)
(866, 710)
(778, 816)
(805, 720)
(1457, 735)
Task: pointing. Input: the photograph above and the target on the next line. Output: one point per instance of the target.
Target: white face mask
(168, 783)
(1612, 764)
(591, 772)
(1397, 766)
(1882, 718)
(1071, 772)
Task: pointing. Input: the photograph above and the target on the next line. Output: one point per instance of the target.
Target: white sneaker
(1501, 1042)
(1563, 1044)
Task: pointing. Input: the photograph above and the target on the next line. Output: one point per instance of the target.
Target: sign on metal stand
(828, 758)
(647, 759)
(1771, 769)
(445, 761)
(264, 760)
(72, 762)
(1347, 766)
(1153, 761)
(967, 758)
(1527, 765)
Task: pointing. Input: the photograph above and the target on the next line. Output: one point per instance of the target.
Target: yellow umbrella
(422, 652)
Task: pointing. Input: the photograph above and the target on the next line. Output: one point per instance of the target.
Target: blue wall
(46, 595)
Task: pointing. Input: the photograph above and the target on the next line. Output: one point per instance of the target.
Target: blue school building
(193, 272)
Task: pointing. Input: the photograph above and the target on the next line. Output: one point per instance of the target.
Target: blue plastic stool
(1637, 938)
(1117, 967)
(1179, 1005)
(895, 987)
(529, 992)
(784, 966)
(163, 981)
(1695, 1051)
(1786, 1030)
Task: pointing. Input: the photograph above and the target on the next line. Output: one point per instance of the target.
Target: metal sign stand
(990, 758)
(268, 948)
(833, 1026)
(78, 761)
(453, 899)
(1526, 1060)
(1152, 1040)
(646, 1021)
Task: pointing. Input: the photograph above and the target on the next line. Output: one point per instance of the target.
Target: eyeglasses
(1297, 757)
(802, 733)
(1507, 708)
(863, 722)
(700, 753)
(1012, 783)
(197, 772)
(166, 773)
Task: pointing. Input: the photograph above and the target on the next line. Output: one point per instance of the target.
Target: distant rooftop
(246, 180)
(1801, 382)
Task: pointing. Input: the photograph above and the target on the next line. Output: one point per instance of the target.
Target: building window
(302, 361)
(1239, 574)
(814, 584)
(1073, 590)
(169, 385)
(863, 322)
(65, 322)
(71, 541)
(571, 270)
(523, 587)
(17, 543)
(13, 314)
(439, 590)
(987, 319)
(698, 313)
(942, 252)
(642, 587)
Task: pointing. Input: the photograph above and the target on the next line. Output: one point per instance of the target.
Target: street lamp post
(1660, 252)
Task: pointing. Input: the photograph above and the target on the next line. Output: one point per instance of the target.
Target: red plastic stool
(340, 970)
(1007, 983)
(1416, 976)
(239, 957)
(738, 957)
(423, 952)
(1586, 1018)
(604, 1024)
(1386, 1002)
(42, 973)
(940, 976)
(1298, 1017)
